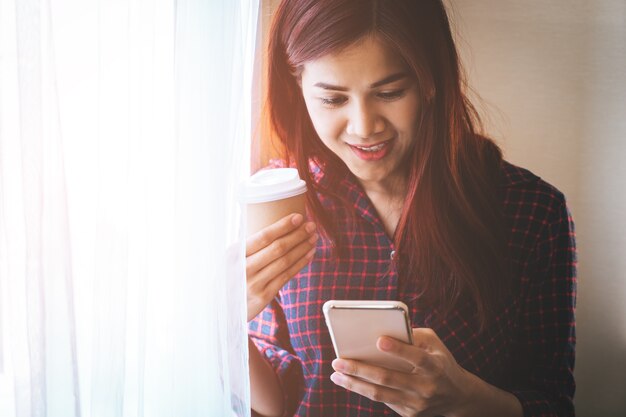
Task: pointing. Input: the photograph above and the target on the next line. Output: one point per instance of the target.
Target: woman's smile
(373, 152)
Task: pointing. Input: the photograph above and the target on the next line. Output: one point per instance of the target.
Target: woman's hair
(449, 240)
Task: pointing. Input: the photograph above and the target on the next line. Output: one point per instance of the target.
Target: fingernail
(339, 365)
(313, 239)
(385, 344)
(296, 219)
(310, 253)
(310, 227)
(336, 378)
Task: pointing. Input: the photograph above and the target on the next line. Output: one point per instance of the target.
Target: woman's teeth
(372, 148)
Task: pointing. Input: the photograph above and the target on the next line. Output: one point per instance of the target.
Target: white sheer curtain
(124, 131)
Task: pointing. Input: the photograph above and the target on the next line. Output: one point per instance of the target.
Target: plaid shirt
(528, 350)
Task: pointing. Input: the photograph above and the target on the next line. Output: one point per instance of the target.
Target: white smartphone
(356, 325)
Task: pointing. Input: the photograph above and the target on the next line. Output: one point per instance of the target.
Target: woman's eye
(333, 101)
(391, 95)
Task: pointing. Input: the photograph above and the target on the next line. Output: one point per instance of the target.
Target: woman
(411, 204)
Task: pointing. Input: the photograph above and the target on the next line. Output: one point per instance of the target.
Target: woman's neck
(388, 199)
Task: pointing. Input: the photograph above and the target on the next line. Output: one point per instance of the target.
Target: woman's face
(363, 102)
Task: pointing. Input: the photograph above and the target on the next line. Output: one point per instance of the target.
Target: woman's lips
(374, 152)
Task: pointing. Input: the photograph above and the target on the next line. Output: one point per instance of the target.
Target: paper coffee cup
(271, 195)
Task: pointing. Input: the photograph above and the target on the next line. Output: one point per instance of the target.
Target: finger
(278, 282)
(281, 254)
(261, 289)
(426, 338)
(418, 357)
(374, 374)
(283, 264)
(367, 389)
(265, 237)
(279, 248)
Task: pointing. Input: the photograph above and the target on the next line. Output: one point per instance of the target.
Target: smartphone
(356, 325)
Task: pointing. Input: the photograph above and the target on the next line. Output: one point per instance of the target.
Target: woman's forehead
(368, 60)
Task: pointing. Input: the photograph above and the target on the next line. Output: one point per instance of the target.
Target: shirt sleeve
(548, 329)
(270, 334)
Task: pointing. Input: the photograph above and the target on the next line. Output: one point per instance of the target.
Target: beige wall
(553, 77)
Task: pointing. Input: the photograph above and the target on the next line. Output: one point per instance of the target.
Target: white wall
(553, 78)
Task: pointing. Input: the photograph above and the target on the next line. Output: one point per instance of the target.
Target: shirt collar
(349, 188)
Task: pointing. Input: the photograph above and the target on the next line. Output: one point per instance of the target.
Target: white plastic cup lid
(271, 185)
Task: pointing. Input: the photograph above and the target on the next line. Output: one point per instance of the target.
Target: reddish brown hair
(449, 238)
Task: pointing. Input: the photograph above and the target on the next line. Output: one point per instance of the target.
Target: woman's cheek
(327, 126)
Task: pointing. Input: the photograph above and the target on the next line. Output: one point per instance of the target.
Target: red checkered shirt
(528, 350)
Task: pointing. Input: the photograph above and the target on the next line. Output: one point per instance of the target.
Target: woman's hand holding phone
(436, 385)
(273, 256)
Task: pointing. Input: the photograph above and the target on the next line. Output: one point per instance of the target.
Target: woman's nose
(364, 122)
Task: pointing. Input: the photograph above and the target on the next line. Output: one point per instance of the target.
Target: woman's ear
(297, 74)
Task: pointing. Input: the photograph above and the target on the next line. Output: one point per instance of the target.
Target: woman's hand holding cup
(280, 243)
(274, 255)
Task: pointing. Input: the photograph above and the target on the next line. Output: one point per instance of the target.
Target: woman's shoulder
(514, 175)
(528, 196)
(516, 178)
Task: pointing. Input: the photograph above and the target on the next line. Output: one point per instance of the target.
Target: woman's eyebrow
(387, 80)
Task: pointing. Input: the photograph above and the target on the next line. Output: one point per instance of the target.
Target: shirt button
(392, 254)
